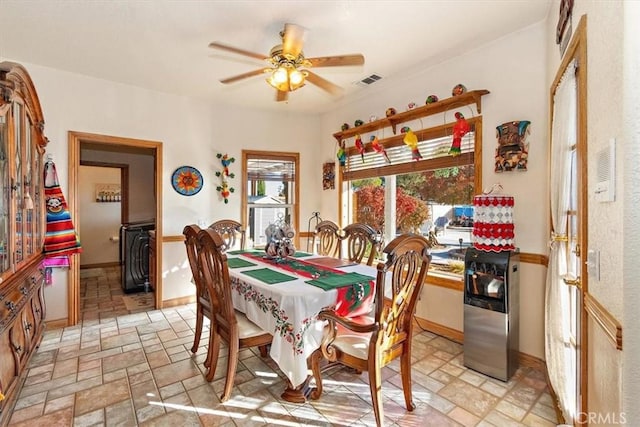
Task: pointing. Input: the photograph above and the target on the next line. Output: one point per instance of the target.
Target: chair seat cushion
(246, 328)
(354, 343)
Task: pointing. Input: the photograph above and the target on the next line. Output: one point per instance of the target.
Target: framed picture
(108, 193)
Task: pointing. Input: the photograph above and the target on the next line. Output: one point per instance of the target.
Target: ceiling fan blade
(337, 60)
(292, 39)
(323, 84)
(281, 95)
(244, 76)
(216, 45)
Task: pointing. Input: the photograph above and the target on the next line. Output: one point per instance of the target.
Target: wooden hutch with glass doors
(22, 229)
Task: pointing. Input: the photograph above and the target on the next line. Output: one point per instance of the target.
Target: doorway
(565, 315)
(78, 141)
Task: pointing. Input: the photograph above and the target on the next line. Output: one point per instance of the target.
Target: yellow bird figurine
(411, 139)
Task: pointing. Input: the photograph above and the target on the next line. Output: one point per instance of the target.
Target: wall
(192, 132)
(513, 69)
(98, 221)
(631, 213)
(142, 199)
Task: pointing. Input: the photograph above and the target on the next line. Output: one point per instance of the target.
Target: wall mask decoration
(329, 176)
(513, 150)
(224, 174)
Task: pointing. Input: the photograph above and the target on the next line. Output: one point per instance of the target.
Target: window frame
(272, 155)
(434, 278)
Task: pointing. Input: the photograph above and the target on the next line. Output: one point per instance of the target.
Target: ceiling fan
(288, 66)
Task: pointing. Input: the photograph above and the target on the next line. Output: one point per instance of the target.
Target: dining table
(284, 296)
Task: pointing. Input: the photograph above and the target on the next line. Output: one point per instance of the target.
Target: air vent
(370, 79)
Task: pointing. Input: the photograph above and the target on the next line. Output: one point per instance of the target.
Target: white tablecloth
(288, 311)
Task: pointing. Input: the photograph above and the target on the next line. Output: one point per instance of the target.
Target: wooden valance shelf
(467, 98)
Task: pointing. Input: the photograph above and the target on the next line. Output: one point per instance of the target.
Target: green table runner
(301, 254)
(334, 281)
(241, 251)
(268, 276)
(238, 263)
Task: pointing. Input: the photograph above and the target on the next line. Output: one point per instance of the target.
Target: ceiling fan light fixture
(286, 78)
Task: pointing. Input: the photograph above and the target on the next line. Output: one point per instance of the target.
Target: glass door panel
(5, 191)
(38, 213)
(18, 137)
(27, 204)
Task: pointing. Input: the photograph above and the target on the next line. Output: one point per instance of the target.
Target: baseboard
(57, 323)
(100, 265)
(174, 302)
(524, 359)
(438, 329)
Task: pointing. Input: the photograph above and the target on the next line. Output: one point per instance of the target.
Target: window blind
(270, 170)
(434, 151)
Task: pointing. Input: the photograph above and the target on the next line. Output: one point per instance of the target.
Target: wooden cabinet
(22, 228)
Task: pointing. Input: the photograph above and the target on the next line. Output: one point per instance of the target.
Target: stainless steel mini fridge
(491, 312)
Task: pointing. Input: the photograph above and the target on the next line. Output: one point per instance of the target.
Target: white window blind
(270, 170)
(434, 151)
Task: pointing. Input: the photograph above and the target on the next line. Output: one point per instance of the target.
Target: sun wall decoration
(187, 180)
(224, 174)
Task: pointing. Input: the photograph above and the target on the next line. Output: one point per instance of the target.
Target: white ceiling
(163, 45)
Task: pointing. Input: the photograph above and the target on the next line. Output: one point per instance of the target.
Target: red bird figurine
(375, 144)
(360, 146)
(460, 129)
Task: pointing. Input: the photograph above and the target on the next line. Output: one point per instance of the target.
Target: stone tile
(149, 412)
(171, 390)
(544, 411)
(533, 420)
(62, 418)
(34, 399)
(511, 410)
(101, 396)
(74, 387)
(54, 405)
(171, 419)
(28, 390)
(122, 360)
(28, 412)
(175, 372)
(499, 419)
(90, 419)
(463, 417)
(120, 414)
(144, 393)
(472, 399)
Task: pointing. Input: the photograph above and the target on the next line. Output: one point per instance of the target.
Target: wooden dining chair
(203, 303)
(361, 241)
(231, 232)
(369, 344)
(228, 324)
(326, 239)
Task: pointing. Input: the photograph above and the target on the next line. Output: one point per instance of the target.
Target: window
(432, 196)
(269, 192)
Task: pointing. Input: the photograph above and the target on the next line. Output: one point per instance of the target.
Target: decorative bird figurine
(378, 148)
(460, 129)
(360, 146)
(226, 162)
(411, 139)
(342, 154)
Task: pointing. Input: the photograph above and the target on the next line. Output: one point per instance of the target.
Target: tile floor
(127, 369)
